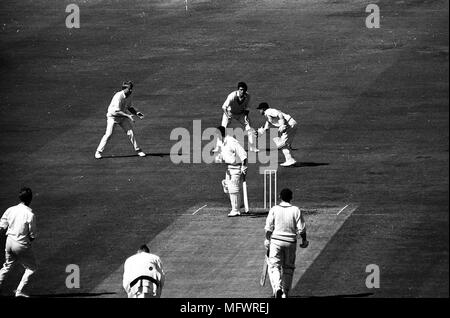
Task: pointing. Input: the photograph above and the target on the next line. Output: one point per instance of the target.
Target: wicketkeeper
(287, 128)
(234, 155)
(284, 224)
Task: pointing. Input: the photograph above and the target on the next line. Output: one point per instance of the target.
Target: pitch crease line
(342, 209)
(199, 209)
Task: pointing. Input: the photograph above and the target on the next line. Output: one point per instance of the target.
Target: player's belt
(278, 239)
(234, 166)
(136, 280)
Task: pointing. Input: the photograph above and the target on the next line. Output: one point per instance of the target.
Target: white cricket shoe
(98, 155)
(288, 163)
(141, 154)
(254, 149)
(19, 293)
(234, 213)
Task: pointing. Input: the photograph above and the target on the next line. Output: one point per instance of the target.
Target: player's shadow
(308, 164)
(155, 154)
(251, 214)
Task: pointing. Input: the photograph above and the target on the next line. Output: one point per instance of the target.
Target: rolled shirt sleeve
(270, 225)
(4, 220)
(301, 224)
(32, 226)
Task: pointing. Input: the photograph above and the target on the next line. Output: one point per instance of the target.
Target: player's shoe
(19, 293)
(288, 163)
(279, 293)
(141, 154)
(254, 149)
(98, 155)
(234, 213)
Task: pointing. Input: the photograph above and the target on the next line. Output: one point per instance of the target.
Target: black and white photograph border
(111, 116)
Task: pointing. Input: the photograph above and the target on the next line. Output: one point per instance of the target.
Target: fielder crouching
(287, 128)
(143, 275)
(284, 224)
(235, 156)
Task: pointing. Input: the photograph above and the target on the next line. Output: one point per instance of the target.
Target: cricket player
(236, 106)
(234, 155)
(284, 224)
(19, 222)
(287, 127)
(143, 275)
(120, 112)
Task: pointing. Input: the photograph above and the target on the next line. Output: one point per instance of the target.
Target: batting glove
(260, 131)
(244, 170)
(282, 128)
(266, 243)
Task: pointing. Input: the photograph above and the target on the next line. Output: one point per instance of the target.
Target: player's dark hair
(25, 195)
(222, 130)
(263, 105)
(144, 248)
(286, 195)
(127, 84)
(243, 85)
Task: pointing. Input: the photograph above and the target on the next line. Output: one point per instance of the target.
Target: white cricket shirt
(119, 102)
(286, 222)
(235, 106)
(20, 223)
(232, 151)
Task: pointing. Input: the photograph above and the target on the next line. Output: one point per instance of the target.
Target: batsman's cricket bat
(262, 281)
(244, 190)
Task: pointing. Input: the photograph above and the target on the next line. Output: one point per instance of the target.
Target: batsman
(284, 224)
(234, 155)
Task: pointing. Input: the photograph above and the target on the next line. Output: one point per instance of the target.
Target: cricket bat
(262, 281)
(244, 190)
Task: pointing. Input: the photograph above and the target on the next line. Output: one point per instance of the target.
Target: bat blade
(262, 280)
(244, 190)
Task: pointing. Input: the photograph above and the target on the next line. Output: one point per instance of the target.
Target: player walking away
(236, 107)
(143, 275)
(287, 127)
(19, 223)
(120, 111)
(234, 155)
(284, 224)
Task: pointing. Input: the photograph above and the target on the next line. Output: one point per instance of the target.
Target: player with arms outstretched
(120, 112)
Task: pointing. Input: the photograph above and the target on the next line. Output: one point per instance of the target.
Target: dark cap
(263, 106)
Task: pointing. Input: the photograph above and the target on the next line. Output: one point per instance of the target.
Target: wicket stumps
(268, 188)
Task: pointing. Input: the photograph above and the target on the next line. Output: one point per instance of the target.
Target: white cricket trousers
(281, 264)
(126, 125)
(18, 253)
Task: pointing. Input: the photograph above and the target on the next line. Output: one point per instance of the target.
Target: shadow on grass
(308, 164)
(251, 214)
(156, 154)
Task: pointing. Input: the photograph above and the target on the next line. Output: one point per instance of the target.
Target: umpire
(284, 224)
